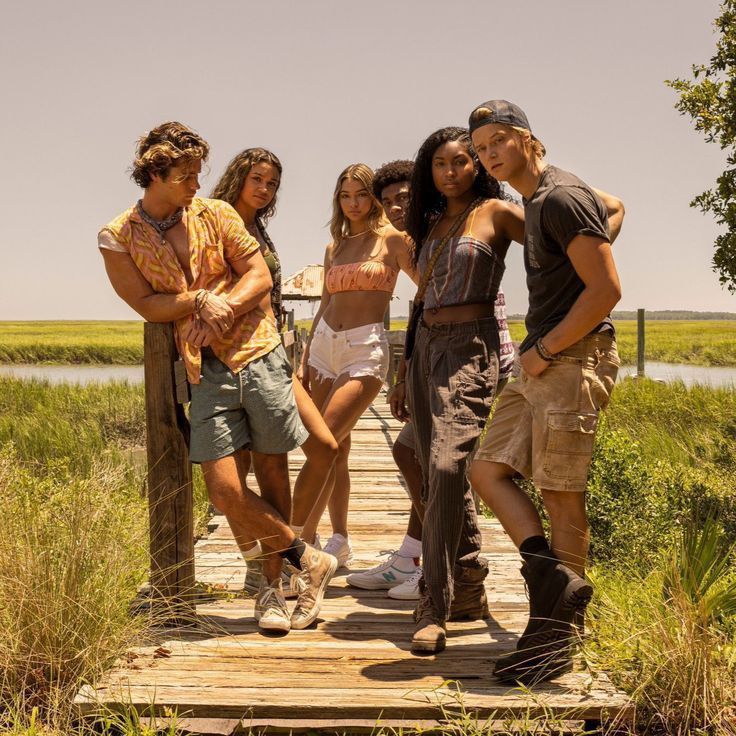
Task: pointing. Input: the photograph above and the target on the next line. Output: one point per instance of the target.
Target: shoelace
(392, 555)
(270, 600)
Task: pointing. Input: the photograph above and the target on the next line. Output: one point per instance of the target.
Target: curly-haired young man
(173, 257)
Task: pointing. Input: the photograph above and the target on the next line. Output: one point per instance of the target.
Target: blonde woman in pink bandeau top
(346, 357)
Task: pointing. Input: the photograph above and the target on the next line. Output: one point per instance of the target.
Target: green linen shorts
(254, 408)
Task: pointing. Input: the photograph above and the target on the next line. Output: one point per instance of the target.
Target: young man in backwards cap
(545, 422)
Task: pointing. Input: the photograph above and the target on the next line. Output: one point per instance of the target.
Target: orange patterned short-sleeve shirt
(217, 237)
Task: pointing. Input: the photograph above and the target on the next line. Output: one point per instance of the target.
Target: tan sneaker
(270, 610)
(317, 569)
(430, 634)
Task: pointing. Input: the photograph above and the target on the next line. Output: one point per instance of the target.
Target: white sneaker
(339, 547)
(317, 569)
(270, 610)
(409, 589)
(389, 573)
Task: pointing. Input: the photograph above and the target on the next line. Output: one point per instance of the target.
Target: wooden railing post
(640, 343)
(170, 506)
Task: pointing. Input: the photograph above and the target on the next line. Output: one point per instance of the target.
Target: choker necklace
(161, 226)
(362, 232)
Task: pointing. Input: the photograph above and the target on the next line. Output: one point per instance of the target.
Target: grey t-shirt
(561, 208)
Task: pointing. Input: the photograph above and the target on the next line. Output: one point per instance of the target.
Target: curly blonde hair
(167, 145)
(339, 226)
(231, 182)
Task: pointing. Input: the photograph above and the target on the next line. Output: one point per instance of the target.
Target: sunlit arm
(254, 283)
(616, 213)
(138, 294)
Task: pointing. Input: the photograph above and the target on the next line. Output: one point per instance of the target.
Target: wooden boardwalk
(355, 667)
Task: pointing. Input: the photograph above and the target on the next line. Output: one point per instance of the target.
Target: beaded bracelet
(542, 351)
(200, 300)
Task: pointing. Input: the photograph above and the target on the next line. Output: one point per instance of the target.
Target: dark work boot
(556, 595)
(469, 602)
(430, 634)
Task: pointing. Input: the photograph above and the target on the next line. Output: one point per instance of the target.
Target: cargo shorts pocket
(570, 438)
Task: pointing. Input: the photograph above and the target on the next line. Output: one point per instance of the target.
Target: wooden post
(290, 320)
(387, 316)
(170, 509)
(640, 343)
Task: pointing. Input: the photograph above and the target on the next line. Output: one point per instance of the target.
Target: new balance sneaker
(388, 574)
(317, 569)
(340, 548)
(409, 589)
(270, 610)
(253, 576)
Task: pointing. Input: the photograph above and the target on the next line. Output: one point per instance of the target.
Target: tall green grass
(74, 552)
(706, 342)
(667, 635)
(71, 342)
(73, 543)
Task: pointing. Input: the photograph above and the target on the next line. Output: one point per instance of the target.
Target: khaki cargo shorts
(544, 427)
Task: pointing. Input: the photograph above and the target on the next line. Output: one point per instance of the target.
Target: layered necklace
(161, 226)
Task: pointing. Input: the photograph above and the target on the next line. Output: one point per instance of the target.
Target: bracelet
(542, 351)
(200, 300)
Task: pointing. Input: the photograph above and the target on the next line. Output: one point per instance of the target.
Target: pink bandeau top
(361, 276)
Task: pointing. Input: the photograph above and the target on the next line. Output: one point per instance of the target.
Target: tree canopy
(709, 98)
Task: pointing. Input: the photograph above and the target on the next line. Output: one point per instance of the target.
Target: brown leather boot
(430, 634)
(469, 602)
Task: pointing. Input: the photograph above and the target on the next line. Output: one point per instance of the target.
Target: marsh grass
(667, 636)
(674, 423)
(699, 342)
(74, 552)
(73, 543)
(71, 342)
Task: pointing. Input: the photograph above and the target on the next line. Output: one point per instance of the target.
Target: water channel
(84, 374)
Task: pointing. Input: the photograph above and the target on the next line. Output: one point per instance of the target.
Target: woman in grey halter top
(453, 371)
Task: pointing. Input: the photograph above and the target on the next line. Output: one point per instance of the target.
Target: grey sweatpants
(452, 377)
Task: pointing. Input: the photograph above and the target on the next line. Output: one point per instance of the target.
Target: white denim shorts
(361, 351)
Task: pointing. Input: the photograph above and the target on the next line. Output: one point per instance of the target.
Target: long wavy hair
(426, 202)
(339, 224)
(231, 182)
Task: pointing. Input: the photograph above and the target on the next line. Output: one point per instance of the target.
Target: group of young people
(209, 266)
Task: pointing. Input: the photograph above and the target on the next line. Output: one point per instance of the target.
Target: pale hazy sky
(324, 84)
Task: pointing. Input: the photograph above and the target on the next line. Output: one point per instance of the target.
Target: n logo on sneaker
(389, 577)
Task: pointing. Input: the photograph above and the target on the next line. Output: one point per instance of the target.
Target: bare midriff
(349, 309)
(458, 313)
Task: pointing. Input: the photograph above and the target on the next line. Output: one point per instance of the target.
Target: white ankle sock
(411, 547)
(253, 552)
(297, 530)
